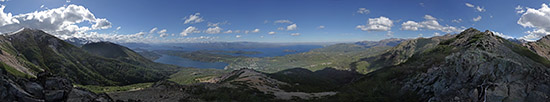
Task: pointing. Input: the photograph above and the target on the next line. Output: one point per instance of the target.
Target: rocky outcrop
(473, 66)
(483, 68)
(45, 88)
(401, 52)
(541, 47)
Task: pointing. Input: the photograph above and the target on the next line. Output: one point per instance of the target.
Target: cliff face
(541, 46)
(473, 66)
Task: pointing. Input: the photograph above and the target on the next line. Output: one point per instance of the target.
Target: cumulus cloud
(194, 18)
(363, 11)
(228, 31)
(280, 28)
(66, 20)
(429, 23)
(271, 33)
(502, 35)
(255, 30)
(210, 24)
(457, 20)
(189, 30)
(519, 9)
(237, 36)
(292, 27)
(436, 34)
(476, 18)
(153, 30)
(283, 21)
(377, 24)
(214, 30)
(162, 31)
(118, 28)
(477, 8)
(295, 34)
(163, 35)
(539, 19)
(321, 27)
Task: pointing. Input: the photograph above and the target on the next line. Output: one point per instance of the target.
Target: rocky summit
(473, 66)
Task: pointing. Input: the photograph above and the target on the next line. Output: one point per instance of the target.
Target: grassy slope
(194, 75)
(64, 59)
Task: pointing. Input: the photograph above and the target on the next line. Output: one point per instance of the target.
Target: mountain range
(469, 66)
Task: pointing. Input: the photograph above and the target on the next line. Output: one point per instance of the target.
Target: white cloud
(321, 27)
(66, 20)
(295, 34)
(477, 18)
(214, 30)
(153, 30)
(228, 31)
(477, 8)
(163, 35)
(429, 17)
(377, 24)
(189, 30)
(271, 33)
(502, 35)
(389, 34)
(436, 34)
(539, 19)
(118, 28)
(470, 5)
(162, 31)
(210, 24)
(363, 11)
(457, 20)
(194, 18)
(101, 24)
(430, 23)
(292, 27)
(237, 36)
(283, 21)
(280, 28)
(255, 30)
(420, 35)
(519, 9)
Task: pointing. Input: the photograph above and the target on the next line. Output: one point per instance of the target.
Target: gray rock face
(44, 89)
(487, 68)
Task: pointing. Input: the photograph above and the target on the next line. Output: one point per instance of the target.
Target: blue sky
(343, 20)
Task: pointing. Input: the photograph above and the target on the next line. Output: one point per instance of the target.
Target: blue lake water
(274, 51)
(184, 62)
(265, 52)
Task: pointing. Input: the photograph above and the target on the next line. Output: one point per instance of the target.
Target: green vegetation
(107, 89)
(195, 75)
(13, 71)
(303, 80)
(526, 52)
(241, 93)
(337, 56)
(150, 55)
(96, 66)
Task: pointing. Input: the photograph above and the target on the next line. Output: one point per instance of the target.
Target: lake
(184, 62)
